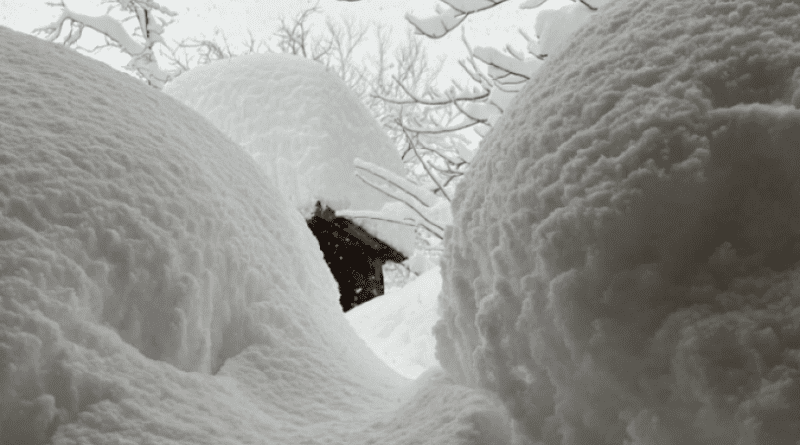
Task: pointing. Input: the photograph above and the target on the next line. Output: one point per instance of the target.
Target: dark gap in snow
(354, 256)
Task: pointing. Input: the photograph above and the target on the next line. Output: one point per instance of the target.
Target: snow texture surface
(398, 325)
(303, 125)
(158, 289)
(623, 263)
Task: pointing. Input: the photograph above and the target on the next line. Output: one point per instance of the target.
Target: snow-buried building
(623, 267)
(305, 127)
(156, 287)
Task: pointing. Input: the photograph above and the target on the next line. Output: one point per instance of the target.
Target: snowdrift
(398, 326)
(157, 288)
(304, 126)
(623, 266)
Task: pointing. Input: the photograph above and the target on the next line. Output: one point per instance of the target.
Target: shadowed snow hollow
(624, 263)
(157, 288)
(303, 125)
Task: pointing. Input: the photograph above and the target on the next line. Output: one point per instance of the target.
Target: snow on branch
(472, 6)
(505, 63)
(427, 208)
(427, 168)
(104, 24)
(436, 100)
(437, 26)
(421, 195)
(591, 8)
(424, 220)
(499, 73)
(472, 70)
(445, 20)
(377, 216)
(142, 60)
(441, 130)
(480, 112)
(533, 4)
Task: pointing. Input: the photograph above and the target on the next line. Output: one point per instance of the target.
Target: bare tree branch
(414, 99)
(425, 166)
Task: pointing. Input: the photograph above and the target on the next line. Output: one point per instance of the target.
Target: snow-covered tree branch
(447, 19)
(137, 44)
(498, 74)
(431, 122)
(423, 208)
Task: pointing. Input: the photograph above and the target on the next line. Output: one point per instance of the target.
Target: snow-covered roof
(157, 288)
(623, 262)
(303, 125)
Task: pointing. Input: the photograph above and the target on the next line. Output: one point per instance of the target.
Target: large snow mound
(303, 125)
(623, 266)
(157, 288)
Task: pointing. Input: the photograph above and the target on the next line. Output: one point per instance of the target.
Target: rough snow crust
(303, 125)
(157, 289)
(623, 266)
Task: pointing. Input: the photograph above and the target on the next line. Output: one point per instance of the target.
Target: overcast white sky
(262, 17)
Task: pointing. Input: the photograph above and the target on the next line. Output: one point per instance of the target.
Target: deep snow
(621, 268)
(623, 262)
(304, 126)
(398, 325)
(158, 289)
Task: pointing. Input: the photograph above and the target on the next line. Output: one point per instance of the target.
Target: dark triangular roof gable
(377, 248)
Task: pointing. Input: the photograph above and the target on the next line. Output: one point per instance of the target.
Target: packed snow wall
(623, 266)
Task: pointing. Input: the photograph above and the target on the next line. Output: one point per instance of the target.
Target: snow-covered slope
(303, 125)
(398, 325)
(623, 266)
(156, 287)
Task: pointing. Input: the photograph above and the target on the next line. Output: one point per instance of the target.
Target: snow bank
(157, 288)
(303, 125)
(398, 325)
(623, 266)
